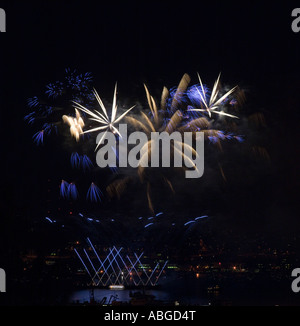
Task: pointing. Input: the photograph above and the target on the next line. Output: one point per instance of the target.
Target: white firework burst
(106, 123)
(210, 106)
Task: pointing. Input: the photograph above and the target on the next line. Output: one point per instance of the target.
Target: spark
(193, 93)
(76, 124)
(64, 186)
(106, 123)
(81, 161)
(94, 193)
(48, 127)
(38, 137)
(200, 217)
(222, 172)
(189, 222)
(210, 105)
(174, 113)
(180, 91)
(117, 187)
(156, 123)
(72, 191)
(55, 89)
(33, 101)
(75, 160)
(86, 163)
(49, 219)
(30, 118)
(147, 225)
(68, 190)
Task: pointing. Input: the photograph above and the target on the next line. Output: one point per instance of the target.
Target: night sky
(156, 42)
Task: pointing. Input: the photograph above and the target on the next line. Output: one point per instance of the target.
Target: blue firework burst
(75, 160)
(239, 138)
(72, 191)
(49, 127)
(33, 102)
(94, 193)
(193, 94)
(86, 163)
(64, 189)
(30, 118)
(54, 89)
(38, 138)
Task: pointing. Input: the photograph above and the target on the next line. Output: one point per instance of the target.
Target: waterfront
(191, 291)
(198, 273)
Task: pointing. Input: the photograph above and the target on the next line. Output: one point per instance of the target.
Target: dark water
(192, 291)
(168, 292)
(82, 296)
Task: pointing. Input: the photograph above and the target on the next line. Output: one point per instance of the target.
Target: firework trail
(86, 163)
(157, 123)
(64, 189)
(75, 160)
(94, 193)
(38, 138)
(72, 191)
(81, 161)
(117, 187)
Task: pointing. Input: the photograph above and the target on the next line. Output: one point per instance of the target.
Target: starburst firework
(210, 106)
(106, 123)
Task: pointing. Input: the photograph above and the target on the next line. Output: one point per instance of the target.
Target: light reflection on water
(187, 291)
(84, 295)
(193, 291)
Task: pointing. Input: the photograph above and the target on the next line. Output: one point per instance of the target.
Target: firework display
(182, 109)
